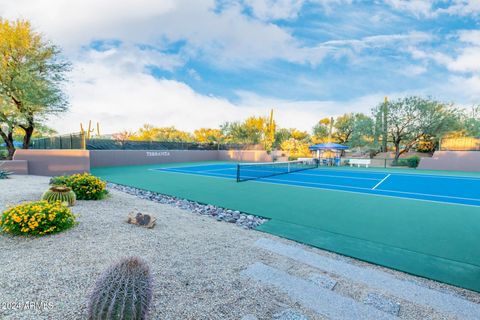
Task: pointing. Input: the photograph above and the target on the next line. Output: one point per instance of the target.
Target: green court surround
(434, 240)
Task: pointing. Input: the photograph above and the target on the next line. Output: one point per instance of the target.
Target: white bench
(359, 162)
(305, 159)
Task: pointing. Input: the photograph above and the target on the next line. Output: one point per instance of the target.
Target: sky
(200, 63)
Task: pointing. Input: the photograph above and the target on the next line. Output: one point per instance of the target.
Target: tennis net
(253, 171)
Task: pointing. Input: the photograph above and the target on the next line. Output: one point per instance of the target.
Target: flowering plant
(85, 186)
(37, 218)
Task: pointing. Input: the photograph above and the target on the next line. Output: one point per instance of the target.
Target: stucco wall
(15, 166)
(54, 162)
(58, 162)
(109, 158)
(244, 156)
(452, 160)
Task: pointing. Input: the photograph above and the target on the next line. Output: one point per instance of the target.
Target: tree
(281, 135)
(31, 78)
(413, 118)
(235, 132)
(146, 133)
(169, 134)
(354, 129)
(472, 122)
(41, 131)
(322, 130)
(297, 144)
(254, 130)
(206, 135)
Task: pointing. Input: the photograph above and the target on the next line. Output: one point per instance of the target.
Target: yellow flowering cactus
(85, 186)
(37, 218)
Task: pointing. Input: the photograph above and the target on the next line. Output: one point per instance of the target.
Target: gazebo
(328, 153)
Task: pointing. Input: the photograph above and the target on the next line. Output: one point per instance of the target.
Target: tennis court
(418, 222)
(452, 189)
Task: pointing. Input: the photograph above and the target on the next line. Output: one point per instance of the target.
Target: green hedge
(411, 162)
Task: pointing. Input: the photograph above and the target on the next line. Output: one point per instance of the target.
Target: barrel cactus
(60, 193)
(122, 292)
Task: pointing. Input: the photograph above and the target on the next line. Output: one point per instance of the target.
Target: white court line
(363, 188)
(294, 172)
(381, 182)
(427, 175)
(268, 181)
(199, 173)
(290, 182)
(429, 195)
(327, 175)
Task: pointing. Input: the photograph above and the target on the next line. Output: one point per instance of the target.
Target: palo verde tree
(414, 118)
(254, 130)
(471, 121)
(208, 135)
(322, 131)
(353, 129)
(31, 78)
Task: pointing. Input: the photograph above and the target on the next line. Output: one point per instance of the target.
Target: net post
(238, 172)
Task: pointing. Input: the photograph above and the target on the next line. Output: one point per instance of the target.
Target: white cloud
(416, 7)
(120, 98)
(76, 23)
(226, 37)
(382, 40)
(275, 9)
(464, 90)
(426, 8)
(413, 70)
(462, 8)
(464, 59)
(470, 36)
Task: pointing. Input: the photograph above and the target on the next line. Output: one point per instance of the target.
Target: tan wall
(109, 158)
(452, 160)
(54, 162)
(245, 156)
(15, 166)
(59, 162)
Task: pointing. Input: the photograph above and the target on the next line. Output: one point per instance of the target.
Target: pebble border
(241, 219)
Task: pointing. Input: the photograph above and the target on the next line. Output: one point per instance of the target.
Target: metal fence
(78, 141)
(69, 141)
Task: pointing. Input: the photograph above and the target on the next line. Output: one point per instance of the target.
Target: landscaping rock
(141, 219)
(243, 220)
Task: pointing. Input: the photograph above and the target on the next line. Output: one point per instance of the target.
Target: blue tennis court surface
(438, 188)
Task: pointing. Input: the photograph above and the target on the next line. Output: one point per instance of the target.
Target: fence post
(83, 142)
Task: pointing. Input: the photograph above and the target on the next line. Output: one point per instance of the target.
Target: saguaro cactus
(122, 292)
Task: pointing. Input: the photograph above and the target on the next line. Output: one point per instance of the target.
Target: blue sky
(197, 63)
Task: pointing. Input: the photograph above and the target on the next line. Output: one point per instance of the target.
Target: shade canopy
(328, 146)
(16, 144)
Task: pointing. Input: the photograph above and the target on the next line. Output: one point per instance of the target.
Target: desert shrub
(411, 162)
(4, 174)
(3, 154)
(85, 186)
(123, 291)
(37, 218)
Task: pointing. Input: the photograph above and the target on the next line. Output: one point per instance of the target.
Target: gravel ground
(196, 260)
